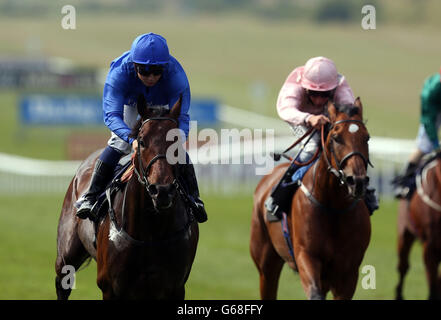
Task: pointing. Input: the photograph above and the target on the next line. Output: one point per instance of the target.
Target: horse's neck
(141, 220)
(326, 187)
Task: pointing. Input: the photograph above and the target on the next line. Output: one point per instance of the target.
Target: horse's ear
(141, 105)
(332, 111)
(176, 110)
(358, 104)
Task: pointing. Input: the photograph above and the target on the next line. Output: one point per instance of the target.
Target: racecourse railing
(234, 172)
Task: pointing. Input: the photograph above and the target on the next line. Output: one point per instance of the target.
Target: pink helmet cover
(319, 74)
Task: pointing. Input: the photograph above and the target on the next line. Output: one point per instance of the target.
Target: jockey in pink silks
(301, 103)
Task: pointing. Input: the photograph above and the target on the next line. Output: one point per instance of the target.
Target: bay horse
(146, 244)
(420, 218)
(329, 223)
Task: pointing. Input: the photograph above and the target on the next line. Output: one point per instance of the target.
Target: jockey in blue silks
(146, 69)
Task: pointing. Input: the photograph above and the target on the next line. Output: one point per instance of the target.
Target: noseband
(339, 171)
(143, 177)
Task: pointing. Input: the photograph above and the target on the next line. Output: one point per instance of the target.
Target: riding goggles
(322, 94)
(146, 70)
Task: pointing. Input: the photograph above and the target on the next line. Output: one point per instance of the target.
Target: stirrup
(199, 211)
(86, 210)
(272, 210)
(403, 193)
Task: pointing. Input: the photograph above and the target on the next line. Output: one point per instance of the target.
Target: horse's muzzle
(357, 185)
(162, 195)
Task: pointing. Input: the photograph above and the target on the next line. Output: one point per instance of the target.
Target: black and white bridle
(338, 172)
(143, 176)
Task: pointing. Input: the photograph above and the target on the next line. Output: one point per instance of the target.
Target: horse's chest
(148, 272)
(155, 282)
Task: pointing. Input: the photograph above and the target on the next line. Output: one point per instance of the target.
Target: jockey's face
(149, 74)
(319, 98)
(318, 101)
(150, 80)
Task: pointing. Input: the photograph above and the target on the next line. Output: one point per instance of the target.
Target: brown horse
(420, 218)
(329, 224)
(147, 242)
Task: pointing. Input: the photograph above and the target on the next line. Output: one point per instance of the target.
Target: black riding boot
(189, 177)
(102, 173)
(283, 190)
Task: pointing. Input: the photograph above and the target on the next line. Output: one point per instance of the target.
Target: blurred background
(237, 55)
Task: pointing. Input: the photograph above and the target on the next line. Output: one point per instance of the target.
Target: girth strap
(287, 235)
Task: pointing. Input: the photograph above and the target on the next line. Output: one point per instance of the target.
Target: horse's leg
(72, 254)
(269, 268)
(179, 294)
(431, 261)
(267, 261)
(345, 286)
(108, 294)
(405, 241)
(310, 275)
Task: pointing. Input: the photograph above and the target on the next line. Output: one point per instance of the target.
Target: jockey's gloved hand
(316, 121)
(135, 145)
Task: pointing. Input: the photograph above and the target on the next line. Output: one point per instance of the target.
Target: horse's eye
(337, 138)
(141, 143)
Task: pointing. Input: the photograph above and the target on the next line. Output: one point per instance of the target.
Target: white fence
(22, 175)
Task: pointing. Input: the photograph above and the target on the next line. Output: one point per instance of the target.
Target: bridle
(338, 172)
(143, 176)
(116, 231)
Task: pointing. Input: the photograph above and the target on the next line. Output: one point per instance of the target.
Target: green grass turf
(223, 268)
(224, 56)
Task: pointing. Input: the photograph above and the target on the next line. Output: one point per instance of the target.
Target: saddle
(406, 183)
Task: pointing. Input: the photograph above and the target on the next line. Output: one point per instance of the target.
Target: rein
(278, 155)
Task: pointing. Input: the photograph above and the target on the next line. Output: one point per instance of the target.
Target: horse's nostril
(366, 180)
(350, 180)
(153, 190)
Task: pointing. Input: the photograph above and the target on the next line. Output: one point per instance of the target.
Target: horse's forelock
(349, 109)
(154, 111)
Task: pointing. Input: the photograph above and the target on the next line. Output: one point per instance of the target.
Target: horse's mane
(154, 111)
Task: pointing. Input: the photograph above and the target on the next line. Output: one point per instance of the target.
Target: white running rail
(21, 175)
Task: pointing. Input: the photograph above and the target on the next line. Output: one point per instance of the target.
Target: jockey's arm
(113, 110)
(430, 108)
(428, 119)
(181, 88)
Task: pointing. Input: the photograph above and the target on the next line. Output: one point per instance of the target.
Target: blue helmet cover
(150, 48)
